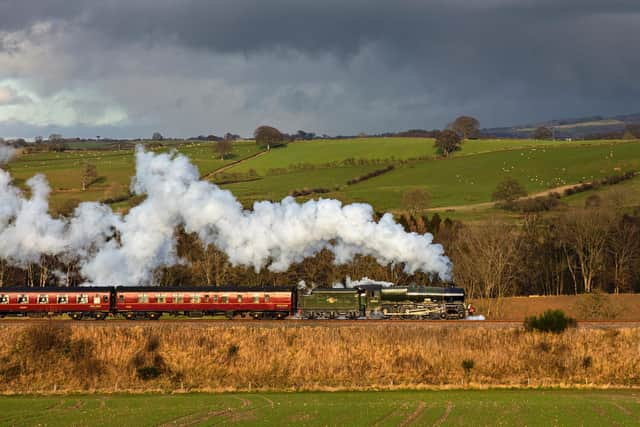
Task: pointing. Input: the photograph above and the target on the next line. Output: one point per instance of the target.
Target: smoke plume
(272, 235)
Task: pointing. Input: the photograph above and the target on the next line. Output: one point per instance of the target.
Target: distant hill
(583, 127)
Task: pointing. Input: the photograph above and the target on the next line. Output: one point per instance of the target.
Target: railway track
(297, 323)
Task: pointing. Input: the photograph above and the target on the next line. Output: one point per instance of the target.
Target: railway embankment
(66, 357)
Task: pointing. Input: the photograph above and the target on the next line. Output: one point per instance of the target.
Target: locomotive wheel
(443, 316)
(76, 316)
(129, 316)
(99, 316)
(153, 316)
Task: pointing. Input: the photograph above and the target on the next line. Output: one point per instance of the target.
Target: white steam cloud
(7, 153)
(272, 235)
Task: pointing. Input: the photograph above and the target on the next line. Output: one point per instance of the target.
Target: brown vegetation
(163, 357)
(594, 306)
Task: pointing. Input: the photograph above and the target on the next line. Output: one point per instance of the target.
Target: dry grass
(169, 358)
(581, 307)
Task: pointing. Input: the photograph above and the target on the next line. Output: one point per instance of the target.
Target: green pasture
(481, 146)
(64, 170)
(276, 187)
(472, 179)
(404, 408)
(319, 152)
(469, 177)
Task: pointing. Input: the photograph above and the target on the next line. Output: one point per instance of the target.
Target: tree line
(578, 251)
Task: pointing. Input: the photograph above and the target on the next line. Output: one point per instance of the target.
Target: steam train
(364, 301)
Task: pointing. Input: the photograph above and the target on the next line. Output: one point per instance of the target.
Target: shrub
(550, 321)
(153, 343)
(609, 180)
(467, 365)
(232, 351)
(596, 305)
(37, 341)
(146, 373)
(587, 362)
(508, 191)
(308, 191)
(370, 175)
(535, 204)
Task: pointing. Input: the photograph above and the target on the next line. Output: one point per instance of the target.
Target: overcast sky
(126, 68)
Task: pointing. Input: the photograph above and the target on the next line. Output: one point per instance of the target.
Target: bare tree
(485, 259)
(223, 147)
(508, 191)
(447, 142)
(624, 251)
(89, 175)
(583, 236)
(415, 201)
(466, 126)
(268, 137)
(213, 265)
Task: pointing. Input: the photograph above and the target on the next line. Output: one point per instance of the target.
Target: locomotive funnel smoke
(272, 235)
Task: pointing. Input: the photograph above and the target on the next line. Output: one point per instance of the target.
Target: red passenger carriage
(151, 302)
(85, 302)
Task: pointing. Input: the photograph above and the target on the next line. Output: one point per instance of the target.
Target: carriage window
(239, 298)
(206, 298)
(177, 298)
(195, 298)
(121, 298)
(43, 299)
(4, 299)
(215, 298)
(256, 299)
(160, 298)
(267, 298)
(96, 299)
(225, 299)
(23, 299)
(83, 299)
(143, 298)
(63, 299)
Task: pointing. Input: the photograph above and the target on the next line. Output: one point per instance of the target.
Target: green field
(319, 152)
(468, 178)
(443, 408)
(275, 187)
(472, 179)
(63, 170)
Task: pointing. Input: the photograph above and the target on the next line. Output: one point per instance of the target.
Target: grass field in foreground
(444, 408)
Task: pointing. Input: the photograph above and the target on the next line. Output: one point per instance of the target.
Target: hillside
(569, 128)
(328, 168)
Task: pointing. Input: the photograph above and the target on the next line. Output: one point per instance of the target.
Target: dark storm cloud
(426, 61)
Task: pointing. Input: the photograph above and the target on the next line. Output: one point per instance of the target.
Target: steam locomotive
(365, 301)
